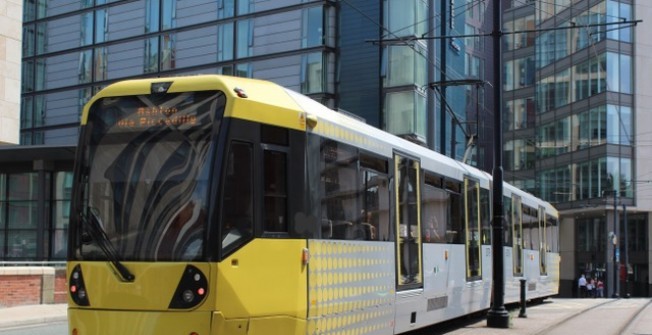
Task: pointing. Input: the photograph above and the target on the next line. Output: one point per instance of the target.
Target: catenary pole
(497, 317)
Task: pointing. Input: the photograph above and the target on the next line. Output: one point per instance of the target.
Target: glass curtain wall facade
(73, 48)
(569, 119)
(457, 106)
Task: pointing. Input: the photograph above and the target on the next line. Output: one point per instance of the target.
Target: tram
(220, 205)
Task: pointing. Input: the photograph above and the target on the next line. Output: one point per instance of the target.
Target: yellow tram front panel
(263, 288)
(110, 322)
(138, 307)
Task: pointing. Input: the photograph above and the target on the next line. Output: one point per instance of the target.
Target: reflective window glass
(312, 31)
(225, 42)
(168, 52)
(168, 14)
(151, 55)
(21, 244)
(245, 38)
(405, 113)
(152, 19)
(225, 8)
(101, 28)
(312, 73)
(87, 28)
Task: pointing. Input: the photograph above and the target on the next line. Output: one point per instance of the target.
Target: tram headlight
(188, 296)
(77, 288)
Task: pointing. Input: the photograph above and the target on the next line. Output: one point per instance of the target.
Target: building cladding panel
(126, 20)
(10, 68)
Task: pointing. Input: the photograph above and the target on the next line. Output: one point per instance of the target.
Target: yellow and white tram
(222, 205)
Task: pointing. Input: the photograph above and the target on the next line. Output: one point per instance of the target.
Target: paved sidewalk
(32, 314)
(539, 317)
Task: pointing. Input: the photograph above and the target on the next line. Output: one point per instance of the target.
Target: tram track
(614, 316)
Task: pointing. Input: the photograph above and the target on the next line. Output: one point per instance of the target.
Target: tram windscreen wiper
(94, 228)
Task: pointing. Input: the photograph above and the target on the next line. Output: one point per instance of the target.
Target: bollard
(522, 314)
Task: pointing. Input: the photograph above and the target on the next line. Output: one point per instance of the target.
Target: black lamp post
(497, 317)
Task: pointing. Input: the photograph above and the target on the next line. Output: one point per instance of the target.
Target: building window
(403, 66)
(245, 6)
(85, 66)
(151, 55)
(60, 214)
(244, 70)
(19, 215)
(616, 12)
(312, 27)
(100, 64)
(168, 52)
(101, 26)
(152, 16)
(225, 42)
(312, 73)
(245, 38)
(225, 8)
(406, 18)
(619, 73)
(168, 14)
(405, 113)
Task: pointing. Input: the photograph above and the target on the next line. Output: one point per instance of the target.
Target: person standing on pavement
(581, 285)
(590, 287)
(600, 289)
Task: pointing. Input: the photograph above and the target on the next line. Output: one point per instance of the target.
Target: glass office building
(571, 105)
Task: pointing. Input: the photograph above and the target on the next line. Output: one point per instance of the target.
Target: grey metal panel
(62, 70)
(195, 11)
(277, 33)
(55, 7)
(62, 108)
(126, 59)
(126, 20)
(63, 33)
(62, 136)
(262, 5)
(196, 47)
(285, 71)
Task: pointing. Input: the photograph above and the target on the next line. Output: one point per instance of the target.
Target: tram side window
(339, 207)
(552, 231)
(485, 216)
(374, 190)
(530, 228)
(434, 206)
(455, 224)
(275, 188)
(507, 229)
(237, 198)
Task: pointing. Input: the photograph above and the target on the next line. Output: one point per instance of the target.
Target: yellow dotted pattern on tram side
(351, 287)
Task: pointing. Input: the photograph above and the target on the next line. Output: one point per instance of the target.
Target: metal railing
(55, 264)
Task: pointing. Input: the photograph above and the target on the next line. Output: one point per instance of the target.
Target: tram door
(517, 235)
(543, 241)
(473, 228)
(408, 222)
